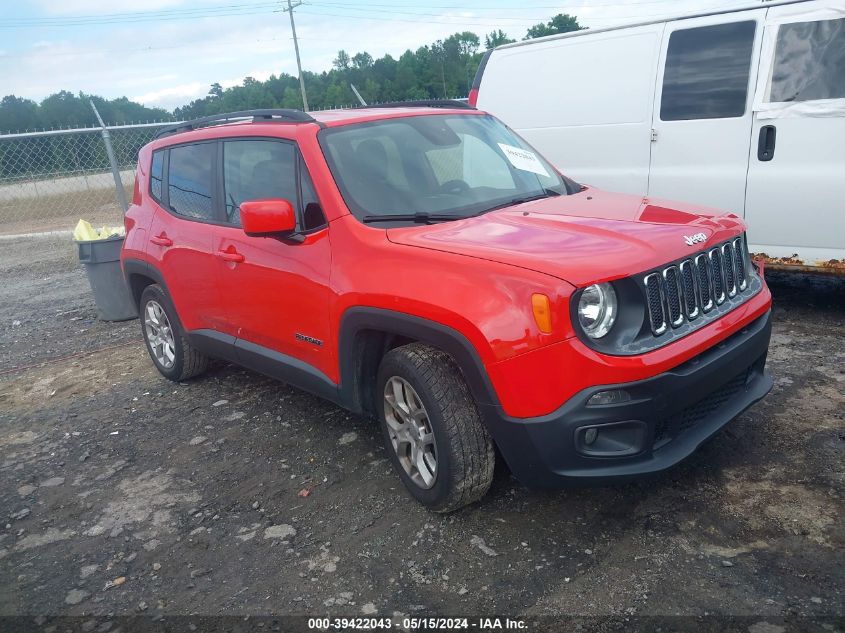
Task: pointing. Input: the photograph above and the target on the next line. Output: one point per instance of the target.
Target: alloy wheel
(410, 432)
(159, 334)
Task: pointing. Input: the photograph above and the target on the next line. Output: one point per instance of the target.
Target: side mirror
(268, 217)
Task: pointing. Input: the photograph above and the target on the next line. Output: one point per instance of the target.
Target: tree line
(444, 69)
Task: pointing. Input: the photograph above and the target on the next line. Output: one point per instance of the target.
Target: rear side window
(706, 75)
(254, 170)
(809, 61)
(189, 180)
(157, 175)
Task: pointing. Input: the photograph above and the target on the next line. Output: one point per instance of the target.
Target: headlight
(597, 310)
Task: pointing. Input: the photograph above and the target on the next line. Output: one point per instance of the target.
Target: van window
(809, 61)
(189, 180)
(706, 75)
(157, 175)
(257, 169)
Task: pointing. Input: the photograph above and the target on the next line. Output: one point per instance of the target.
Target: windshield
(435, 165)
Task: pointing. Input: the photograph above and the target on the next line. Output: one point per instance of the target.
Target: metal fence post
(115, 170)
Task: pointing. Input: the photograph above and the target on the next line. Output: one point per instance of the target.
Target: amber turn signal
(542, 312)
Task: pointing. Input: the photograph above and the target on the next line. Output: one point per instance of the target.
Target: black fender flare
(136, 267)
(358, 319)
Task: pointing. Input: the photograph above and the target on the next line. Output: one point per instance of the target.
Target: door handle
(230, 256)
(162, 240)
(766, 143)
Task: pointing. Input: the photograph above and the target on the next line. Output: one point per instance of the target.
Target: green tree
(341, 62)
(496, 38)
(561, 23)
(362, 60)
(18, 113)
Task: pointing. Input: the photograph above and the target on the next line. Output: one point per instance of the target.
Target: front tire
(432, 429)
(172, 354)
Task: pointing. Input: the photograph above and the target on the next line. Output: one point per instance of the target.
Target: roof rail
(422, 103)
(281, 116)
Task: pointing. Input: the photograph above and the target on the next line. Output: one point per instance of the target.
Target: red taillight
(473, 97)
(136, 192)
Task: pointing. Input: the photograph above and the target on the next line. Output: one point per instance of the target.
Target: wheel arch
(139, 274)
(366, 334)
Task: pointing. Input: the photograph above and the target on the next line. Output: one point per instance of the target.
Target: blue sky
(167, 52)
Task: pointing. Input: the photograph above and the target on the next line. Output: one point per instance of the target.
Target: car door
(702, 116)
(181, 232)
(276, 291)
(796, 188)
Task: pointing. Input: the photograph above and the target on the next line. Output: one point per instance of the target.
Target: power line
(98, 20)
(145, 14)
(107, 51)
(463, 7)
(263, 8)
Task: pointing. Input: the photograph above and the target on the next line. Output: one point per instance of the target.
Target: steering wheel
(453, 186)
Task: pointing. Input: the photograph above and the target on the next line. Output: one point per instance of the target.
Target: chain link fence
(49, 180)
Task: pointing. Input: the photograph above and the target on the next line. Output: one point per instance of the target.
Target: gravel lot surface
(233, 494)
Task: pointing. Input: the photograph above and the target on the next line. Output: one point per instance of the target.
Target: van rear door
(796, 176)
(702, 114)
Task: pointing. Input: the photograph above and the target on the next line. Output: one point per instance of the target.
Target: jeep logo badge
(695, 239)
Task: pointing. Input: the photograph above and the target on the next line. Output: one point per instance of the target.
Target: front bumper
(666, 419)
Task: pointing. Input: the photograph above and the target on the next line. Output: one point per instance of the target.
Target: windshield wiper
(417, 218)
(547, 193)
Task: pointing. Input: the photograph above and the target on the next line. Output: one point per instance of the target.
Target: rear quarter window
(157, 175)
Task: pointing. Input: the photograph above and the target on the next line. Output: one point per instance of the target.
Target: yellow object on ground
(84, 232)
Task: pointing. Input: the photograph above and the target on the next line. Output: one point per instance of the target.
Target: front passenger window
(257, 169)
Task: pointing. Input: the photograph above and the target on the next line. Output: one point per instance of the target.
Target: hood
(584, 238)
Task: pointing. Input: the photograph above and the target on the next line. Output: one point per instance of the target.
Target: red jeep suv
(422, 264)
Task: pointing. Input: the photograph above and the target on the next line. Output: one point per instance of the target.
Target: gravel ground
(233, 494)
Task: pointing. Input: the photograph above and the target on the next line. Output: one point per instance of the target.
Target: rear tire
(432, 429)
(172, 354)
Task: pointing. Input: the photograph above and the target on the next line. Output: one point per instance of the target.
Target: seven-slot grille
(684, 291)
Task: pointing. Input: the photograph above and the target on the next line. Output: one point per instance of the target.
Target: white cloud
(181, 93)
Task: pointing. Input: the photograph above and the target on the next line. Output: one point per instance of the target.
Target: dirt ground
(123, 493)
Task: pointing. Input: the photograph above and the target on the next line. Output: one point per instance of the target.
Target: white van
(742, 110)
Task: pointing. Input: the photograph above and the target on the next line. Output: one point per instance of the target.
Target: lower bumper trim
(677, 412)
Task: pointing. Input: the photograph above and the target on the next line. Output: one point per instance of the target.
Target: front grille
(681, 292)
(654, 291)
(690, 293)
(718, 271)
(673, 295)
(730, 272)
(672, 426)
(739, 250)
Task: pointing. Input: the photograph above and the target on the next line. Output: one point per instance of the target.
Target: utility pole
(291, 7)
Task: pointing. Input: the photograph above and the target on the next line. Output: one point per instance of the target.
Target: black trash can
(102, 265)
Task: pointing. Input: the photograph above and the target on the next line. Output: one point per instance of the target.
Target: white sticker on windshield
(523, 159)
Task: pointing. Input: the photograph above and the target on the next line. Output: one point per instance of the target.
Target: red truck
(423, 265)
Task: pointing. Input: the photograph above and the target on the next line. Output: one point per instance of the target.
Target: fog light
(590, 435)
(612, 396)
